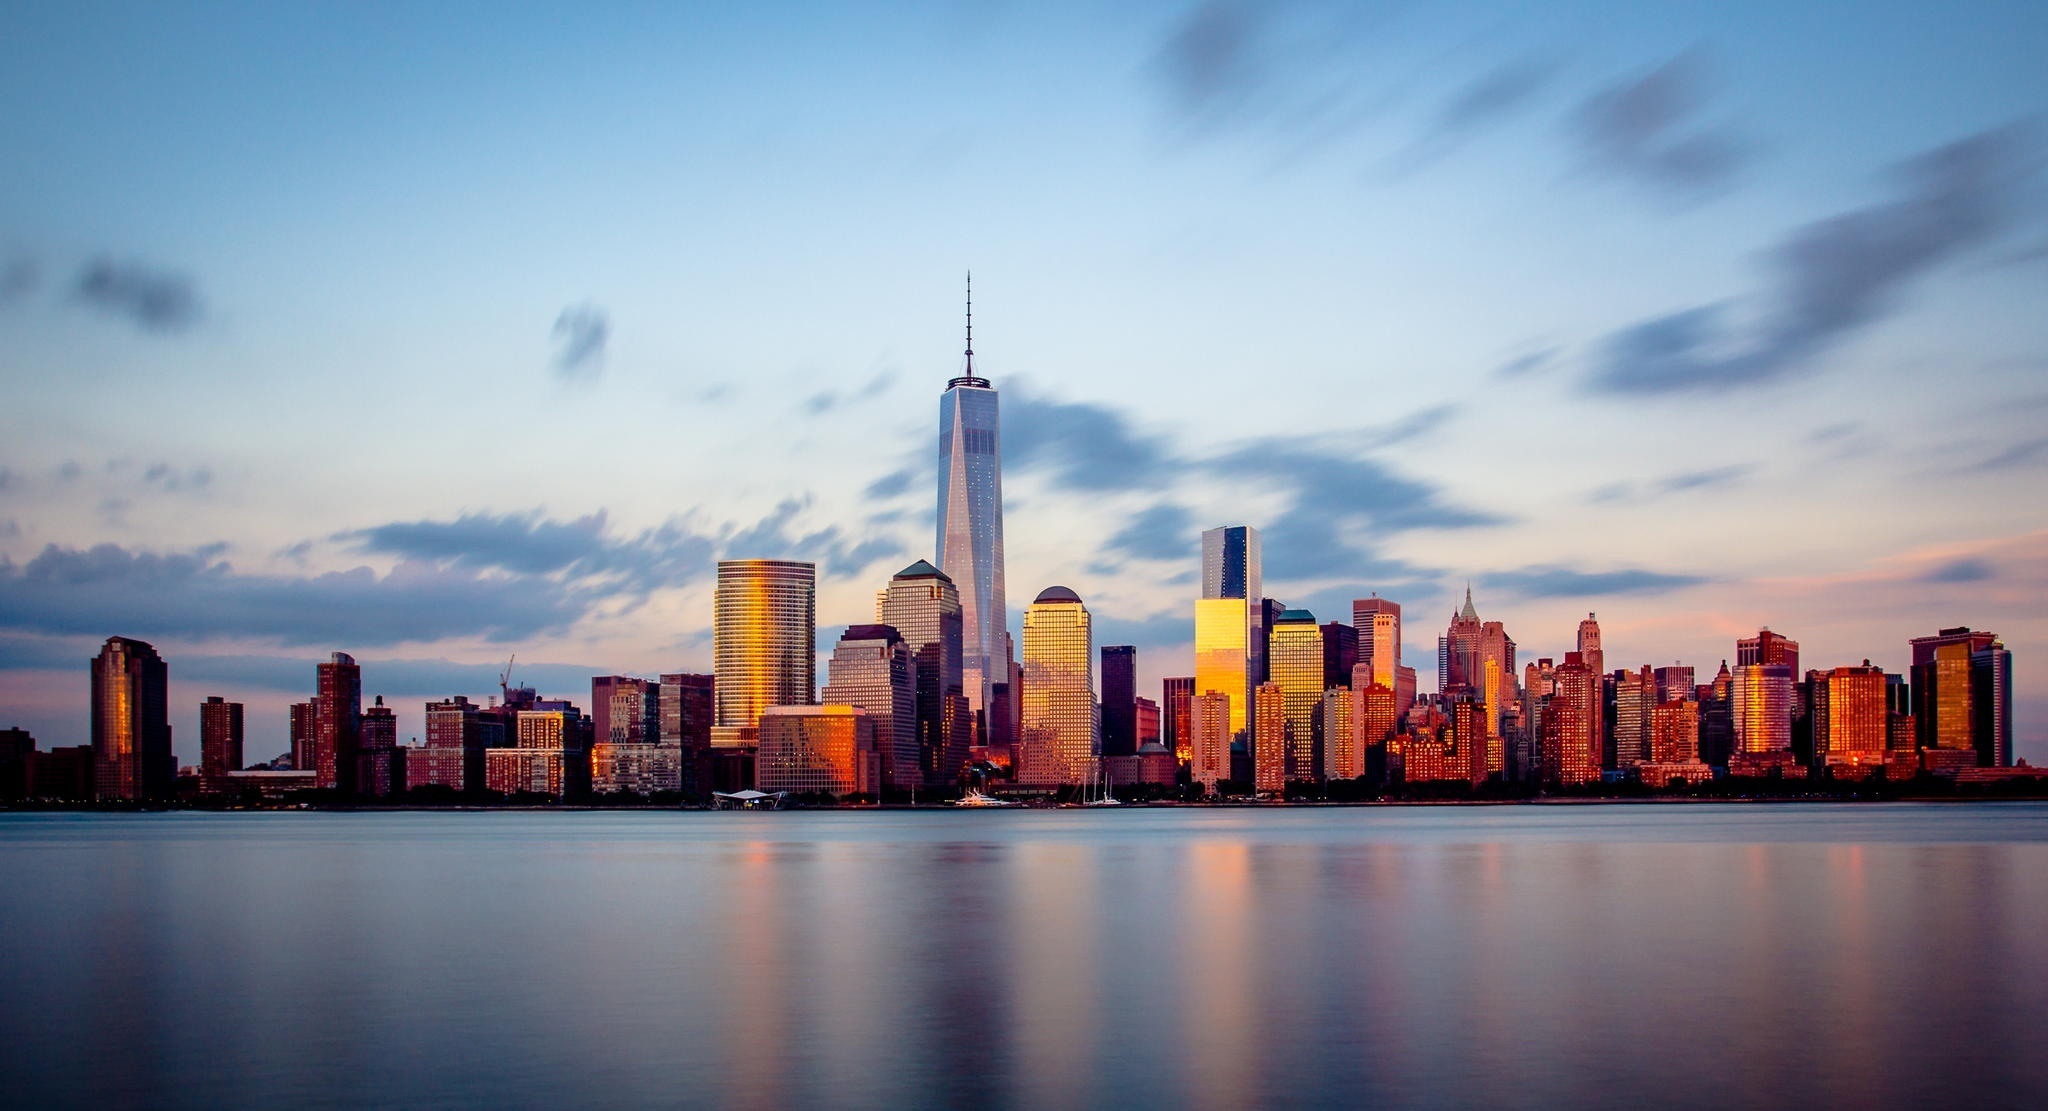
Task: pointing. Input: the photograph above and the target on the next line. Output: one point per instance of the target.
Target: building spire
(970, 324)
(1469, 613)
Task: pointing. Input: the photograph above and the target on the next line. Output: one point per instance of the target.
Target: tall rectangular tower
(970, 526)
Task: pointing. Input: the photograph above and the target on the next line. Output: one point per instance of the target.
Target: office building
(1850, 716)
(872, 669)
(380, 763)
(131, 731)
(1230, 660)
(1962, 694)
(686, 709)
(1635, 698)
(337, 722)
(970, 528)
(618, 767)
(1059, 733)
(1378, 624)
(1571, 723)
(1269, 739)
(923, 605)
(1119, 700)
(826, 749)
(1337, 735)
(1340, 653)
(1175, 730)
(763, 643)
(1295, 668)
(1208, 737)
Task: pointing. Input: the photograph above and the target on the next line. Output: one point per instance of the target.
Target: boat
(976, 798)
(1090, 798)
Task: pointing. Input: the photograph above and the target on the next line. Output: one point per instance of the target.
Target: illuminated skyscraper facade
(1962, 693)
(1223, 655)
(1269, 739)
(1378, 622)
(1231, 662)
(1675, 732)
(1761, 702)
(1850, 713)
(1059, 733)
(1295, 668)
(1336, 735)
(1635, 696)
(1372, 719)
(1571, 716)
(220, 736)
(872, 668)
(970, 526)
(1175, 730)
(763, 629)
(131, 732)
(923, 605)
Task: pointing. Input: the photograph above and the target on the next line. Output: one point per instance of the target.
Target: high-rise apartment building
(302, 736)
(763, 634)
(458, 734)
(1295, 668)
(337, 722)
(1119, 700)
(131, 731)
(873, 669)
(1675, 683)
(923, 605)
(1635, 697)
(624, 710)
(1378, 623)
(970, 526)
(1269, 739)
(1372, 720)
(550, 754)
(1337, 736)
(686, 709)
(1717, 718)
(1060, 731)
(220, 736)
(1571, 723)
(380, 763)
(1209, 736)
(1675, 732)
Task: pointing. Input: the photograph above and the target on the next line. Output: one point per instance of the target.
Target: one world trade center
(971, 535)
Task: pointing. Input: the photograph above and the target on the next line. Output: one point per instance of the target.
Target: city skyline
(1225, 328)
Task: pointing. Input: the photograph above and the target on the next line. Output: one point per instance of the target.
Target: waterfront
(1862, 955)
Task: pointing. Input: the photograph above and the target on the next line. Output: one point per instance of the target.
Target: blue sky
(435, 333)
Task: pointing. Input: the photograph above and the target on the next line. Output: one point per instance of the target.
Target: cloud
(1961, 571)
(19, 277)
(1832, 277)
(824, 401)
(1526, 364)
(1644, 129)
(527, 544)
(1706, 479)
(2018, 455)
(1163, 531)
(839, 553)
(153, 300)
(173, 479)
(892, 485)
(1479, 103)
(197, 595)
(580, 335)
(1551, 581)
(1211, 60)
(1081, 445)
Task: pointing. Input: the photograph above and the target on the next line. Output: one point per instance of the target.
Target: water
(1771, 955)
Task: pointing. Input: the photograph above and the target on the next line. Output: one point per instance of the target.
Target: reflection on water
(1708, 955)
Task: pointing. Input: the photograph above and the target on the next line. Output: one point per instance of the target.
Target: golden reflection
(1219, 1030)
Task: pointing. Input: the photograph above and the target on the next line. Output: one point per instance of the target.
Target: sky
(442, 333)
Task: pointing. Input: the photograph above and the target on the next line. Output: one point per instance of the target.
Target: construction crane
(505, 679)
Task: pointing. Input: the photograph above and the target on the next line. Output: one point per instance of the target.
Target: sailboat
(1089, 795)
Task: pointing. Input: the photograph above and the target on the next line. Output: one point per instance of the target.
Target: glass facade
(872, 668)
(1231, 570)
(922, 604)
(1060, 728)
(1378, 622)
(1175, 729)
(1295, 666)
(1222, 654)
(970, 530)
(763, 629)
(1761, 700)
(131, 733)
(1850, 714)
(829, 749)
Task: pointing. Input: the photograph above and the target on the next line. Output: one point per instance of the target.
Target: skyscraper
(686, 711)
(1378, 622)
(1962, 693)
(131, 732)
(1761, 699)
(1059, 733)
(1119, 700)
(1850, 714)
(220, 736)
(1175, 729)
(1767, 647)
(1231, 661)
(1295, 664)
(1589, 646)
(1208, 739)
(763, 633)
(1269, 739)
(1635, 697)
(1571, 715)
(970, 526)
(1340, 653)
(337, 722)
(380, 766)
(872, 668)
(923, 605)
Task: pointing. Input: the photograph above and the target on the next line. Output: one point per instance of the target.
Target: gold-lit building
(1223, 654)
(1060, 730)
(1294, 658)
(813, 749)
(1761, 699)
(1675, 732)
(763, 633)
(1378, 622)
(1373, 720)
(1571, 723)
(1635, 699)
(1850, 713)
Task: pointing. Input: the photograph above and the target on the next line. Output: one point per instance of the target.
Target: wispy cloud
(1552, 581)
(1832, 277)
(580, 334)
(152, 299)
(1646, 129)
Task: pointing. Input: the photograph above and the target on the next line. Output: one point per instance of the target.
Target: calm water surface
(1826, 956)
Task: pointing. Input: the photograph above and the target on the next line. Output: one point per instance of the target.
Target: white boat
(976, 798)
(1089, 797)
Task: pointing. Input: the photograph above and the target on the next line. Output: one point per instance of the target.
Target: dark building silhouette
(62, 773)
(1340, 653)
(380, 763)
(302, 737)
(131, 733)
(220, 736)
(17, 752)
(1119, 700)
